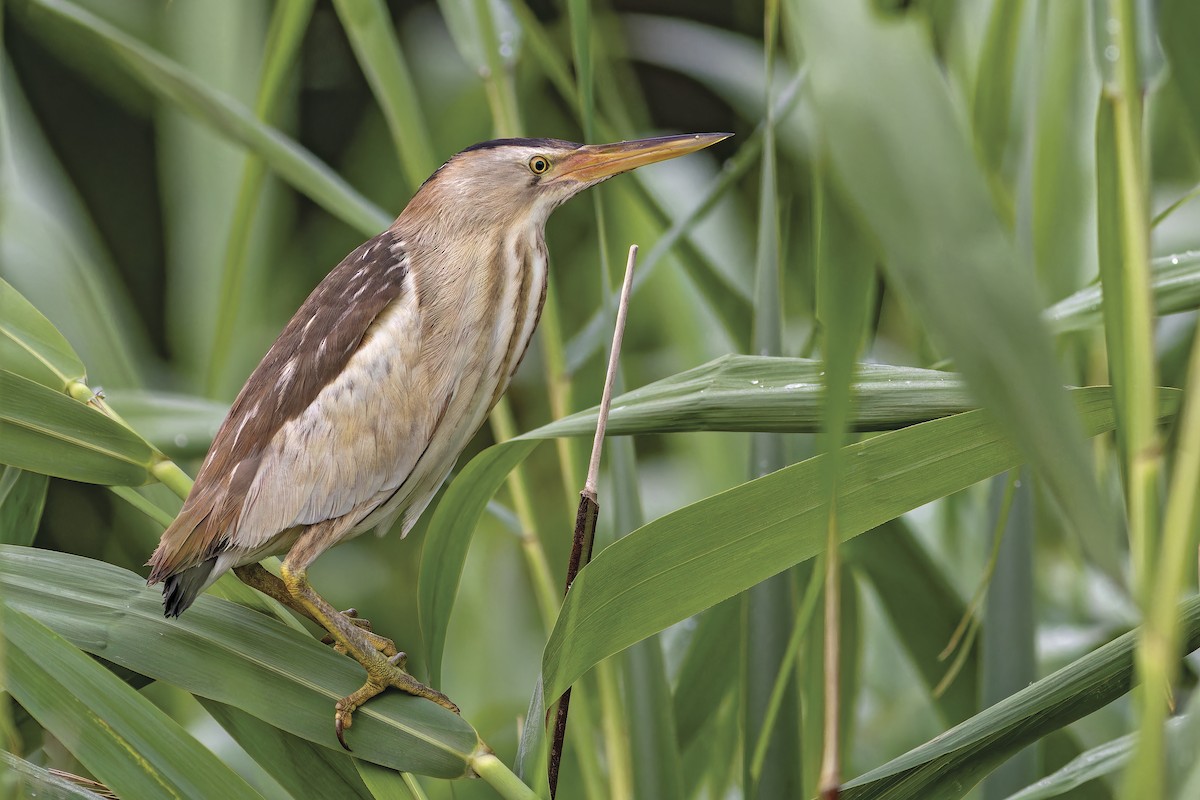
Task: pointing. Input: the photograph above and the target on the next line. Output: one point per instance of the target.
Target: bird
(360, 408)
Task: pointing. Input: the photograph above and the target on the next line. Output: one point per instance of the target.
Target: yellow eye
(539, 165)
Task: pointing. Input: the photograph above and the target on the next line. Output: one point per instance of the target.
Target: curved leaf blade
(697, 556)
(732, 393)
(221, 651)
(45, 431)
(1174, 284)
(120, 736)
(30, 345)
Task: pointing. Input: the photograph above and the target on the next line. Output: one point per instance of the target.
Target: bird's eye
(539, 165)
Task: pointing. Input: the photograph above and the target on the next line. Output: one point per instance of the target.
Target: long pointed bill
(595, 162)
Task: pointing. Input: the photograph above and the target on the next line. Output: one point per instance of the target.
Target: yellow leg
(383, 668)
(256, 576)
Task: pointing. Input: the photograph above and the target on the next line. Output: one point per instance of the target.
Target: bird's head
(505, 180)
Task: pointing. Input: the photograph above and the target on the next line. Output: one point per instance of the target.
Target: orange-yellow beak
(595, 162)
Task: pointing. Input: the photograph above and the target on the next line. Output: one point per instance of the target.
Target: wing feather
(304, 363)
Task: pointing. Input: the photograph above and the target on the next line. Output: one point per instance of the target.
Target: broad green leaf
(30, 780)
(907, 168)
(732, 393)
(22, 499)
(1175, 283)
(697, 556)
(302, 768)
(170, 82)
(178, 424)
(121, 737)
(30, 346)
(948, 766)
(229, 654)
(44, 431)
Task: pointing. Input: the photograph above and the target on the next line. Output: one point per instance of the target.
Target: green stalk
(504, 427)
(1134, 377)
(500, 777)
(1158, 649)
(502, 101)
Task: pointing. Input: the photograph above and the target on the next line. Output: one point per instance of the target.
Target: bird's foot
(379, 678)
(380, 643)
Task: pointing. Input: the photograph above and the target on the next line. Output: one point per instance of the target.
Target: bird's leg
(382, 670)
(256, 576)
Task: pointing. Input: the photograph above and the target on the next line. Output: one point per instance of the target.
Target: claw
(342, 721)
(378, 680)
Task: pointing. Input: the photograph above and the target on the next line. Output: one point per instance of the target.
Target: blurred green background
(139, 219)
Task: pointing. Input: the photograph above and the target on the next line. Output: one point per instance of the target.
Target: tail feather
(181, 589)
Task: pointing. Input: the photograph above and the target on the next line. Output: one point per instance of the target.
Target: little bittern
(360, 408)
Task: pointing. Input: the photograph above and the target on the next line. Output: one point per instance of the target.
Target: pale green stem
(504, 427)
(615, 730)
(414, 787)
(1145, 777)
(130, 495)
(558, 385)
(171, 476)
(1158, 649)
(500, 777)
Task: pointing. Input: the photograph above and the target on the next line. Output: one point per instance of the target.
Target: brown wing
(310, 353)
